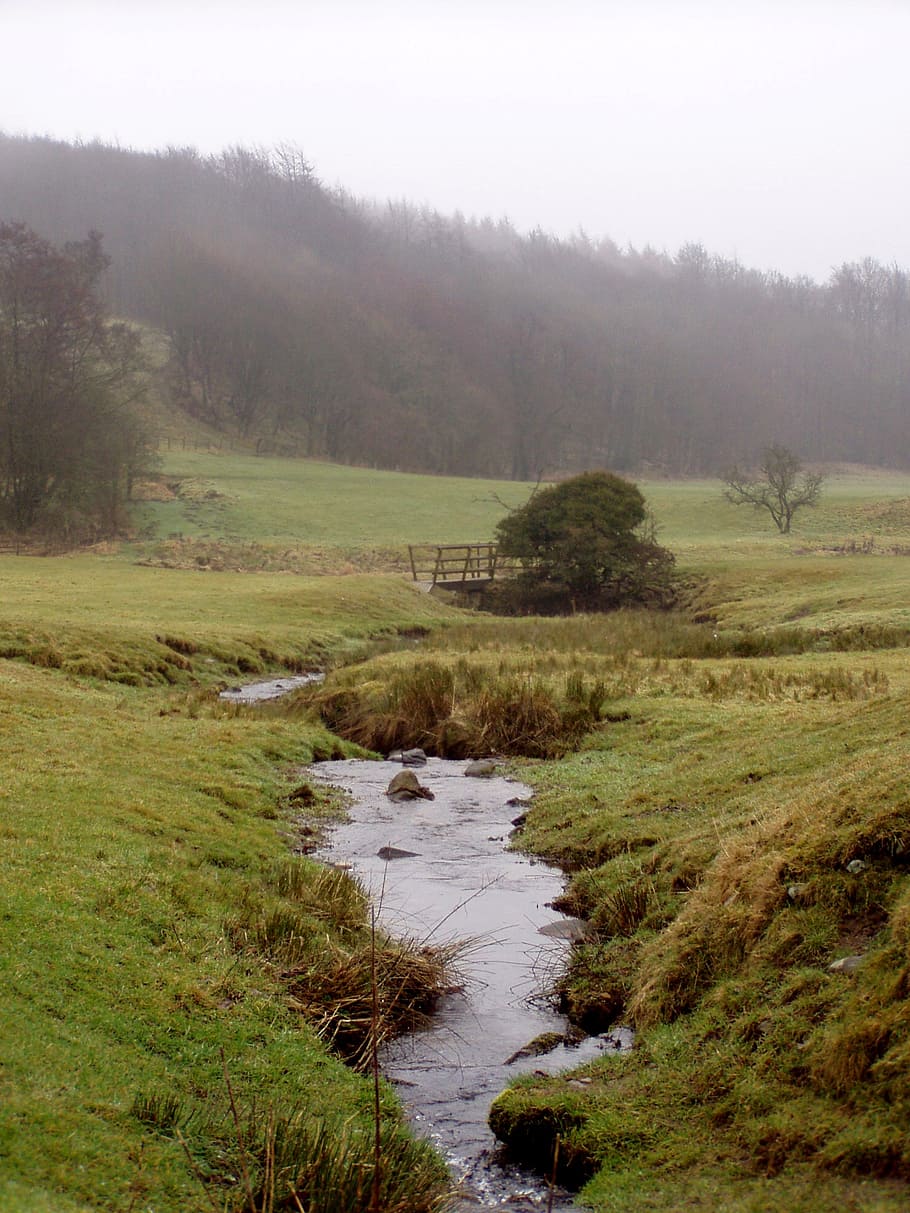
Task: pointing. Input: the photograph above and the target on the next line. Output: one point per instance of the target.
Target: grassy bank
(734, 827)
(159, 938)
(727, 852)
(99, 616)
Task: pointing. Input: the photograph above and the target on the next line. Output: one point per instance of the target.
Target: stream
(457, 881)
(268, 688)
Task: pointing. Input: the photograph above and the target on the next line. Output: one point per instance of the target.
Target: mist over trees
(391, 335)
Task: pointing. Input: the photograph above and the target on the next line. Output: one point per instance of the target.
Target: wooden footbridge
(458, 566)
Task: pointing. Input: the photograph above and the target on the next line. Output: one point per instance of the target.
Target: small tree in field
(585, 543)
(782, 486)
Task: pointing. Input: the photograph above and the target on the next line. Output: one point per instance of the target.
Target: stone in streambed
(395, 853)
(409, 758)
(481, 768)
(546, 1042)
(571, 929)
(405, 786)
(846, 964)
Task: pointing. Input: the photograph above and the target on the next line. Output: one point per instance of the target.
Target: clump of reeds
(311, 924)
(355, 997)
(465, 709)
(515, 716)
(159, 1110)
(403, 711)
(624, 910)
(664, 634)
(329, 1168)
(327, 893)
(294, 904)
(766, 682)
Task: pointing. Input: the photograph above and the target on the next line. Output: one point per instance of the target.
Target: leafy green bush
(585, 543)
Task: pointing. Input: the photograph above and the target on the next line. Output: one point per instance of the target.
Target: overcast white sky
(771, 130)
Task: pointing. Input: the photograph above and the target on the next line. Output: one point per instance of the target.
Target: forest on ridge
(390, 335)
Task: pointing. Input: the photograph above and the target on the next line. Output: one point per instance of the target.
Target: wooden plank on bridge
(457, 566)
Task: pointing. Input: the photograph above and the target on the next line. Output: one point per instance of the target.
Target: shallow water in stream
(268, 688)
(461, 883)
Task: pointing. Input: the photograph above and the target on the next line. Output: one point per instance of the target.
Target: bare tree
(782, 486)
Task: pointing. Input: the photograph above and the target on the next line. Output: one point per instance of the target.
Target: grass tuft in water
(329, 979)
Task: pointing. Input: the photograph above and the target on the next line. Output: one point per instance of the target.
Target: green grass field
(856, 505)
(243, 498)
(102, 616)
(143, 825)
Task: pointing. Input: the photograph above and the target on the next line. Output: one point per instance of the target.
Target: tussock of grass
(459, 710)
(309, 923)
(532, 1130)
(326, 893)
(625, 908)
(333, 990)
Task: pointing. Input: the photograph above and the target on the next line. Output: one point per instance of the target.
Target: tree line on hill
(391, 335)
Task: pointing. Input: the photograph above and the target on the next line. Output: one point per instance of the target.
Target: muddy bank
(438, 870)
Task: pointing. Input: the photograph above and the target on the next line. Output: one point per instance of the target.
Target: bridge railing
(469, 566)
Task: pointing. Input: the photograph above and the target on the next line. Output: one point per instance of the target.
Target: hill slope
(405, 339)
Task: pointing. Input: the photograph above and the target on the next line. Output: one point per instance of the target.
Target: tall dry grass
(461, 710)
(353, 985)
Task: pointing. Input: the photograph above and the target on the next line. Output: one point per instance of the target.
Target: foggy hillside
(403, 338)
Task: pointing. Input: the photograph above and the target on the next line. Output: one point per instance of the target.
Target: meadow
(711, 775)
(304, 514)
(235, 496)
